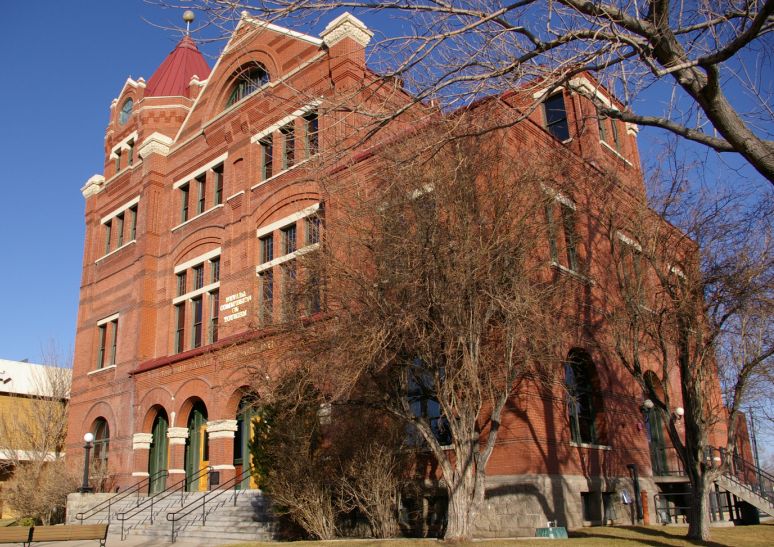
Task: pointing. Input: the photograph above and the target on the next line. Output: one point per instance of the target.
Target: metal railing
(752, 477)
(175, 516)
(136, 488)
(149, 502)
(665, 462)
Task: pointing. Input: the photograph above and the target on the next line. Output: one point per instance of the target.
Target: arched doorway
(247, 413)
(158, 455)
(654, 427)
(196, 448)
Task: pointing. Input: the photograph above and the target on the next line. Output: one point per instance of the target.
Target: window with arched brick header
(247, 80)
(101, 431)
(580, 379)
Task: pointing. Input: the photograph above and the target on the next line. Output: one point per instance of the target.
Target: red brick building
(207, 191)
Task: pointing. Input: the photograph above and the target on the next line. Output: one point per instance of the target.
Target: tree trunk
(698, 526)
(462, 509)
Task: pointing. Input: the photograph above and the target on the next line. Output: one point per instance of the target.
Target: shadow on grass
(639, 531)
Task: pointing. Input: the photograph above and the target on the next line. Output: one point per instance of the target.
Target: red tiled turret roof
(174, 74)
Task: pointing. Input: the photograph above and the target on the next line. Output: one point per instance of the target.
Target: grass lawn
(753, 536)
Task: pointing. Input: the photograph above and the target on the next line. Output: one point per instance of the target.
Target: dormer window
(556, 117)
(126, 111)
(247, 81)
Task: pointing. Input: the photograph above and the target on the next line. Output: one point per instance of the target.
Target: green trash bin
(554, 532)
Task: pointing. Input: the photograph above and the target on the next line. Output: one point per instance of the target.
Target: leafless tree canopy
(696, 304)
(707, 60)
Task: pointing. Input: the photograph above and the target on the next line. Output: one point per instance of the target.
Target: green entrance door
(157, 458)
(196, 449)
(655, 428)
(242, 438)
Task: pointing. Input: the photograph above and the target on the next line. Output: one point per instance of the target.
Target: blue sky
(61, 69)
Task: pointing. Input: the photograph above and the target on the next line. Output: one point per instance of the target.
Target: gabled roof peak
(173, 76)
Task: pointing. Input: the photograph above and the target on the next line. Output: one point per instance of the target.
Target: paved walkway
(115, 541)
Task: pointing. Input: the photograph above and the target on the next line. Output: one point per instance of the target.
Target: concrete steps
(742, 491)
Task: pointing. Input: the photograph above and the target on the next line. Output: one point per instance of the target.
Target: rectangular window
(551, 222)
(133, 223)
(289, 239)
(312, 123)
(218, 174)
(313, 229)
(214, 310)
(184, 202)
(181, 283)
(556, 117)
(601, 122)
(197, 312)
(568, 222)
(314, 296)
(201, 184)
(198, 277)
(289, 288)
(108, 229)
(614, 131)
(267, 248)
(113, 341)
(267, 158)
(180, 327)
(120, 229)
(267, 296)
(130, 153)
(215, 270)
(118, 160)
(289, 146)
(102, 343)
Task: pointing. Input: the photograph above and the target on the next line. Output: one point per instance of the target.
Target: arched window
(126, 111)
(247, 80)
(101, 433)
(579, 375)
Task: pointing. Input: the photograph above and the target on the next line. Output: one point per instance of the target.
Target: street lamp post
(88, 438)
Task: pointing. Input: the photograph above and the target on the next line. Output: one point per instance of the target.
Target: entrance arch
(247, 413)
(158, 455)
(196, 448)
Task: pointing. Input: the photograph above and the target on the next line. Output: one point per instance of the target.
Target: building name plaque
(233, 308)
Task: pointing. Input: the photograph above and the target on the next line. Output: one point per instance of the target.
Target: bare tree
(33, 440)
(439, 307)
(696, 307)
(708, 59)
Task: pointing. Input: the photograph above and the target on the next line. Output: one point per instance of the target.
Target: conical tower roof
(175, 73)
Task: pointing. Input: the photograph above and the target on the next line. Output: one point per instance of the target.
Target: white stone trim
(271, 178)
(222, 467)
(284, 258)
(114, 251)
(197, 292)
(93, 186)
(177, 435)
(107, 319)
(559, 196)
(176, 471)
(614, 151)
(229, 198)
(221, 429)
(142, 441)
(124, 207)
(124, 144)
(280, 30)
(140, 474)
(590, 445)
(629, 241)
(198, 260)
(203, 169)
(214, 208)
(27, 455)
(346, 25)
(155, 143)
(290, 219)
(276, 126)
(98, 370)
(585, 86)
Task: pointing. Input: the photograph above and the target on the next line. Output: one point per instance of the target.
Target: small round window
(126, 111)
(248, 79)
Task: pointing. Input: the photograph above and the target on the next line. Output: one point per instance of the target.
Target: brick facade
(536, 473)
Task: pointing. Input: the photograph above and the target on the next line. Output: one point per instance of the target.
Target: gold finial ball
(188, 16)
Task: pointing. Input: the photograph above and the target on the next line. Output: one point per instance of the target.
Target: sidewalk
(115, 541)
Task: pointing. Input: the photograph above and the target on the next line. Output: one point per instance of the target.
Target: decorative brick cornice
(93, 186)
(155, 143)
(346, 25)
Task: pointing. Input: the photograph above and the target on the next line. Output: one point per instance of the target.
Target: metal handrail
(174, 516)
(164, 494)
(135, 488)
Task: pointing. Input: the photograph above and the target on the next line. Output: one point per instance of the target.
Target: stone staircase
(239, 515)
